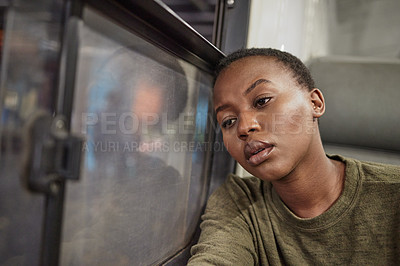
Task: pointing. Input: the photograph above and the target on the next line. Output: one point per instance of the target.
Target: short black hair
(299, 70)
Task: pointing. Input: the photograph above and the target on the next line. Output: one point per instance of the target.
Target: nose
(247, 125)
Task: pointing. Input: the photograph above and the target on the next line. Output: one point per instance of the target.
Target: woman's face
(267, 118)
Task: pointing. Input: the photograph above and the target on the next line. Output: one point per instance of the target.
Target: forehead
(243, 72)
(251, 66)
(256, 59)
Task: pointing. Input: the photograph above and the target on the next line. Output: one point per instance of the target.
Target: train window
(144, 113)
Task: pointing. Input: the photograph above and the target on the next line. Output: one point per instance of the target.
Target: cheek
(228, 142)
(297, 124)
(232, 144)
(293, 122)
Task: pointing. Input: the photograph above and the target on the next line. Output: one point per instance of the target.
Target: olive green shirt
(246, 223)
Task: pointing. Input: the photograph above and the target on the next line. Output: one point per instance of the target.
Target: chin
(268, 171)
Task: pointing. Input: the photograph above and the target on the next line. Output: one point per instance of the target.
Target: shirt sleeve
(225, 235)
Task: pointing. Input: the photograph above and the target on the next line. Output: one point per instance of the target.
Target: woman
(302, 207)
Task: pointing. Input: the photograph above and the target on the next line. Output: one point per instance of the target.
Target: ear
(317, 102)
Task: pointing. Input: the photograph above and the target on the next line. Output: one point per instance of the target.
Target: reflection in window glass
(144, 115)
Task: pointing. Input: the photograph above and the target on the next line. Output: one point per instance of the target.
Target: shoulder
(380, 172)
(370, 171)
(236, 191)
(377, 172)
(235, 186)
(226, 231)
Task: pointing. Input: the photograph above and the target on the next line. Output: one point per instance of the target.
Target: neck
(313, 187)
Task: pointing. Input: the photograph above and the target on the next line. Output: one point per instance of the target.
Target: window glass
(144, 114)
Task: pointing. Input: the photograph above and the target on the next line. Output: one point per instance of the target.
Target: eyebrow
(254, 85)
(220, 108)
(247, 91)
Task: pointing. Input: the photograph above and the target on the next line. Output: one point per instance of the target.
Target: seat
(362, 107)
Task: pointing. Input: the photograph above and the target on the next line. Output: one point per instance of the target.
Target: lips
(256, 152)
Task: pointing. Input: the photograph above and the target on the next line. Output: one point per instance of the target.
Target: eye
(260, 102)
(228, 122)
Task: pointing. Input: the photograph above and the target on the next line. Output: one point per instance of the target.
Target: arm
(225, 235)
